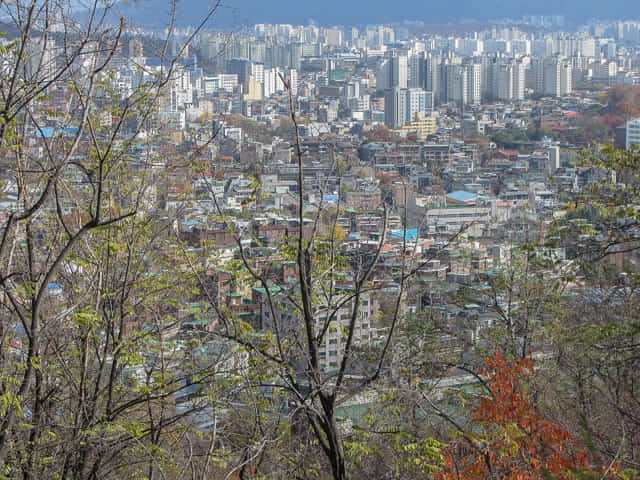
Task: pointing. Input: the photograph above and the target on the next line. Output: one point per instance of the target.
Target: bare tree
(75, 247)
(329, 293)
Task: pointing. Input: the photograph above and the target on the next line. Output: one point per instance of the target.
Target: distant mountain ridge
(360, 12)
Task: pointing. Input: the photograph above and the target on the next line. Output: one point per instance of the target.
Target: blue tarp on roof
(412, 234)
(54, 289)
(462, 196)
(48, 132)
(19, 328)
(331, 198)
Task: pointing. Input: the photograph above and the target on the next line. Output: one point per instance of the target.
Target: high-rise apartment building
(553, 76)
(400, 71)
(462, 83)
(395, 107)
(415, 69)
(332, 37)
(473, 72)
(384, 74)
(455, 83)
(432, 75)
(272, 82)
(417, 101)
(505, 80)
(633, 133)
(392, 72)
(557, 77)
(403, 105)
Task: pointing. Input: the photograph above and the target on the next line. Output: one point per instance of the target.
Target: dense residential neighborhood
(238, 247)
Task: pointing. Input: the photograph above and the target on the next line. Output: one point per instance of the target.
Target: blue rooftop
(462, 196)
(48, 132)
(54, 289)
(411, 235)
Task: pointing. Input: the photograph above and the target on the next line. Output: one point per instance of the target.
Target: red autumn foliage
(511, 438)
(382, 134)
(624, 100)
(613, 121)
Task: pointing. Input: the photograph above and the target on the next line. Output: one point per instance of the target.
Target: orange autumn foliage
(511, 439)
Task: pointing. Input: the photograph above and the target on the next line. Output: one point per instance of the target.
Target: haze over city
(344, 240)
(362, 12)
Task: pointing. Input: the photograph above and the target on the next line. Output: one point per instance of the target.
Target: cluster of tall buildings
(404, 105)
(393, 75)
(426, 79)
(472, 80)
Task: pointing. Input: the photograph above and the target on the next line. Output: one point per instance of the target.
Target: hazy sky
(358, 12)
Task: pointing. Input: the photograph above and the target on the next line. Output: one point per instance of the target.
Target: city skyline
(360, 12)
